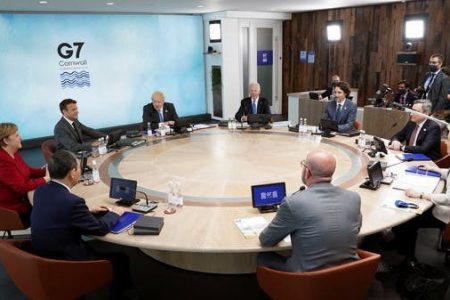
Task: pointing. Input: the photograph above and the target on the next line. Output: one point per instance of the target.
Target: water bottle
(362, 139)
(102, 147)
(230, 126)
(300, 126)
(234, 124)
(95, 173)
(149, 129)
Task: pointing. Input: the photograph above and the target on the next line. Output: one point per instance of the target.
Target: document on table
(251, 227)
(420, 183)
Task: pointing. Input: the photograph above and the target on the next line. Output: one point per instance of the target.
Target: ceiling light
(200, 6)
(109, 3)
(43, 2)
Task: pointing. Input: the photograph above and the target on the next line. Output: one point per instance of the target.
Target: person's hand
(412, 193)
(395, 145)
(244, 119)
(170, 123)
(95, 144)
(47, 175)
(99, 209)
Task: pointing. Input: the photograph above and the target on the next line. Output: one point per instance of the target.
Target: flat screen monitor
(329, 125)
(268, 196)
(375, 174)
(258, 118)
(379, 145)
(124, 190)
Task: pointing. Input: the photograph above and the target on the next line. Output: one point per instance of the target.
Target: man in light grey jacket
(323, 221)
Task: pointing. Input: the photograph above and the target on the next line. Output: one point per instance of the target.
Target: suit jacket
(246, 107)
(150, 114)
(438, 92)
(72, 138)
(347, 117)
(59, 219)
(16, 179)
(323, 222)
(428, 140)
(410, 97)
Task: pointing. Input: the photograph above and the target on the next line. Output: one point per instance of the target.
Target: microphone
(302, 188)
(144, 208)
(406, 160)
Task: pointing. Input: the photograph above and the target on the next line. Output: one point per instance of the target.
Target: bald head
(321, 163)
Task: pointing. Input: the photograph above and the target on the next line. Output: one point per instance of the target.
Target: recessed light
(109, 3)
(200, 6)
(43, 2)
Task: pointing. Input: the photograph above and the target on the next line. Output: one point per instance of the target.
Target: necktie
(429, 83)
(77, 133)
(338, 112)
(161, 117)
(402, 99)
(254, 107)
(412, 138)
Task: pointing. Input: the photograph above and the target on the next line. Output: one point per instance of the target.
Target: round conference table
(216, 168)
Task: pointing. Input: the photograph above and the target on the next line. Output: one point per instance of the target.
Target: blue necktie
(161, 117)
(338, 112)
(429, 83)
(254, 107)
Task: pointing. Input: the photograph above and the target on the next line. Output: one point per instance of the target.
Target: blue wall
(123, 59)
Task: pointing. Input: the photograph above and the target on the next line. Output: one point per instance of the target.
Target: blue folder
(414, 156)
(125, 221)
(416, 170)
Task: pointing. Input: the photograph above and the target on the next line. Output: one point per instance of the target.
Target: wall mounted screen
(110, 64)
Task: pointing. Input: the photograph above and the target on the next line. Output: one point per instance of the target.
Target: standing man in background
(436, 84)
(253, 105)
(335, 79)
(70, 133)
(159, 111)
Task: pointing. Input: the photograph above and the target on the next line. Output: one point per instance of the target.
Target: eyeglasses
(303, 164)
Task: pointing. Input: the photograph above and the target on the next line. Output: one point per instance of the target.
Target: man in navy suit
(253, 105)
(404, 95)
(158, 111)
(436, 84)
(420, 135)
(59, 219)
(341, 109)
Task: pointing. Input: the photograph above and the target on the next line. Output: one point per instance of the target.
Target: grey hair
(426, 105)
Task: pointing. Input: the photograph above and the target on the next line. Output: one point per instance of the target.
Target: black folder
(148, 225)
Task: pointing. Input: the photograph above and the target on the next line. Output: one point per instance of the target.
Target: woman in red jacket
(16, 177)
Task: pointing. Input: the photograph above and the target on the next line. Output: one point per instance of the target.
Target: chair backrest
(444, 162)
(357, 124)
(347, 281)
(48, 148)
(10, 220)
(43, 278)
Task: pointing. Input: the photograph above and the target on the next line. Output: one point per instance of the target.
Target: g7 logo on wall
(66, 50)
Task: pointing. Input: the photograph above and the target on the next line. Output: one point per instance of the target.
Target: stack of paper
(251, 227)
(417, 182)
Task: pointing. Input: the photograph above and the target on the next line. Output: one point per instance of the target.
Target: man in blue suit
(341, 109)
(59, 219)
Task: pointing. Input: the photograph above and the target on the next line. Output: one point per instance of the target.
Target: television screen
(268, 194)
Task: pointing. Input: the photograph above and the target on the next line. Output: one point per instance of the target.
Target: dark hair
(63, 104)
(344, 86)
(405, 82)
(61, 163)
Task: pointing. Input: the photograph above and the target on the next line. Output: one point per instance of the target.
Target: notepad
(413, 156)
(416, 170)
(125, 221)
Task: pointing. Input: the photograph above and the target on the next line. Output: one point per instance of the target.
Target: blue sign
(265, 57)
(303, 56)
(311, 57)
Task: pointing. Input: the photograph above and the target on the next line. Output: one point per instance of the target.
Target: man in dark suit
(70, 134)
(436, 84)
(159, 111)
(420, 135)
(341, 109)
(59, 219)
(323, 221)
(253, 105)
(404, 95)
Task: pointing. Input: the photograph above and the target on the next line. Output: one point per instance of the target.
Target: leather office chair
(48, 148)
(343, 282)
(357, 124)
(43, 278)
(10, 220)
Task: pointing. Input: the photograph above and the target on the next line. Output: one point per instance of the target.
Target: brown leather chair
(357, 124)
(343, 282)
(10, 220)
(43, 278)
(48, 148)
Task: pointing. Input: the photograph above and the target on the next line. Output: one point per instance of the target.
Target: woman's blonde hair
(6, 129)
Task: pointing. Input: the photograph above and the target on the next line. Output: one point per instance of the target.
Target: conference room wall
(366, 56)
(124, 58)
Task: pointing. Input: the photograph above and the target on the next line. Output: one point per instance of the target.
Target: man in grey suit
(323, 221)
(70, 133)
(436, 84)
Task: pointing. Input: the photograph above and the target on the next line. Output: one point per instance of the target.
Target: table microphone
(406, 160)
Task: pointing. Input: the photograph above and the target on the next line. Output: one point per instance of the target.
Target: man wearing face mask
(323, 221)
(436, 84)
(329, 90)
(404, 95)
